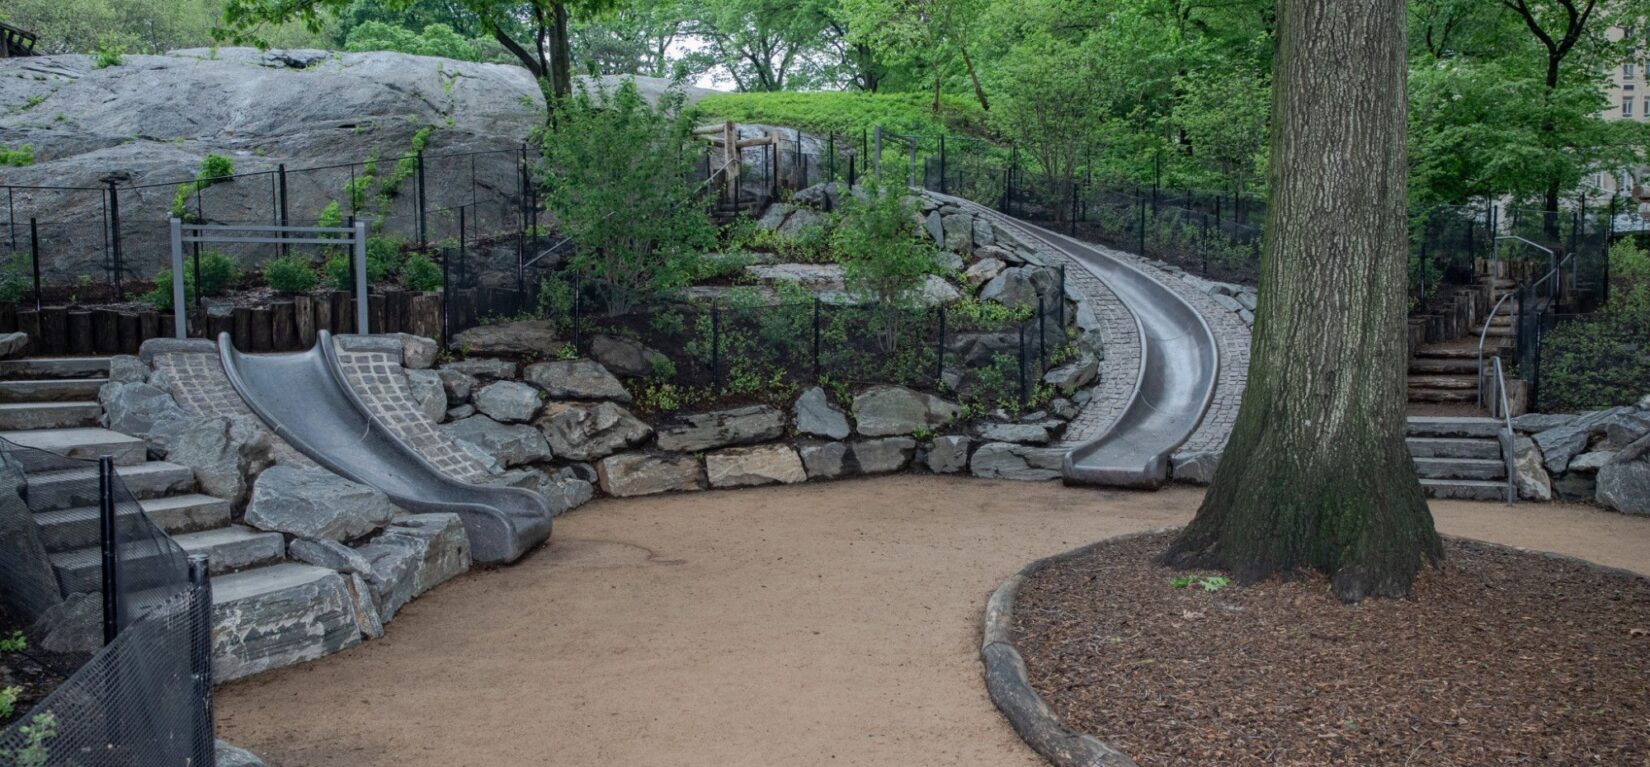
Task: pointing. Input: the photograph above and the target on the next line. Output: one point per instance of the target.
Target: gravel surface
(822, 624)
(1498, 658)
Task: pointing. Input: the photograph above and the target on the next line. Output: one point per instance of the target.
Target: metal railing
(354, 236)
(1525, 294)
(1507, 438)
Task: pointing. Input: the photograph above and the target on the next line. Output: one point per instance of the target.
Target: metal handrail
(1484, 332)
(1509, 448)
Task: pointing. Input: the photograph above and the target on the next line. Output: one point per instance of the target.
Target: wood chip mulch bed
(1498, 658)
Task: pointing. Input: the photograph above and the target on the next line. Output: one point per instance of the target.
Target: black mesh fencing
(82, 558)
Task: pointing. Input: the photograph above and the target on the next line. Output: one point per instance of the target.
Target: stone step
(51, 389)
(1437, 447)
(16, 416)
(54, 367)
(1465, 489)
(1436, 365)
(1454, 426)
(54, 490)
(230, 549)
(1501, 331)
(1449, 396)
(279, 615)
(178, 514)
(1444, 382)
(85, 443)
(1449, 353)
(1461, 468)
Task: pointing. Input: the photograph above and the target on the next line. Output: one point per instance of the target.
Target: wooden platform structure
(15, 42)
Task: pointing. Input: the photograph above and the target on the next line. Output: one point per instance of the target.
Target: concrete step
(16, 416)
(1465, 489)
(1436, 447)
(51, 390)
(1437, 365)
(1449, 353)
(80, 527)
(54, 367)
(1444, 382)
(1444, 396)
(277, 616)
(1461, 468)
(1501, 331)
(230, 548)
(51, 491)
(85, 443)
(1454, 426)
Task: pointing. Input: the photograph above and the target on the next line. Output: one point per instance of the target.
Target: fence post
(939, 349)
(1023, 395)
(34, 256)
(1042, 334)
(942, 166)
(817, 371)
(200, 658)
(109, 539)
(423, 207)
(114, 241)
(876, 155)
(360, 228)
(1061, 300)
(521, 234)
(716, 347)
(446, 296)
(1142, 200)
(830, 158)
(180, 310)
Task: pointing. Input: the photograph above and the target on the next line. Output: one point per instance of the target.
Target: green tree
(616, 181)
(885, 259)
(434, 40)
(1316, 474)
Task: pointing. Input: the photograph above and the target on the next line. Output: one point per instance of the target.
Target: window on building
(1627, 106)
(1646, 111)
(1627, 71)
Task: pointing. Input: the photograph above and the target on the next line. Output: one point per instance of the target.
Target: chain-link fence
(83, 561)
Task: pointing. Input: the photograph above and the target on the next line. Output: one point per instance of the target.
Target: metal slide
(1179, 362)
(305, 398)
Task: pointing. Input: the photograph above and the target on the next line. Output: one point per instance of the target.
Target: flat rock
(231, 756)
(758, 465)
(586, 431)
(823, 460)
(417, 352)
(525, 338)
(948, 454)
(459, 385)
(1023, 433)
(632, 474)
(983, 271)
(879, 456)
(890, 410)
(1530, 476)
(127, 368)
(313, 503)
(442, 544)
(626, 357)
(1625, 487)
(428, 393)
(817, 416)
(1004, 460)
(1592, 461)
(13, 344)
(722, 428)
(510, 444)
(483, 368)
(1073, 375)
(576, 379)
(1197, 468)
(507, 401)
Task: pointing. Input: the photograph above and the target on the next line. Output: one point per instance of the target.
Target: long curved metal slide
(1179, 363)
(305, 398)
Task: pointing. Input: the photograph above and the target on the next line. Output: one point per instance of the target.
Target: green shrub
(214, 169)
(108, 55)
(884, 259)
(14, 280)
(420, 273)
(217, 274)
(21, 157)
(291, 275)
(337, 271)
(383, 257)
(1603, 362)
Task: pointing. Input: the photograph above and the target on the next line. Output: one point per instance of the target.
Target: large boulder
(509, 444)
(890, 410)
(759, 465)
(823, 460)
(428, 393)
(959, 232)
(1018, 287)
(507, 401)
(1529, 475)
(142, 410)
(632, 474)
(226, 454)
(817, 416)
(127, 368)
(576, 379)
(563, 492)
(458, 384)
(1004, 460)
(524, 338)
(880, 456)
(983, 271)
(722, 428)
(440, 542)
(31, 582)
(1625, 487)
(227, 755)
(313, 503)
(1073, 375)
(417, 352)
(586, 431)
(12, 344)
(626, 357)
(1196, 468)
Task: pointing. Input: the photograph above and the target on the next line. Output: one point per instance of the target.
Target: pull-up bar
(273, 235)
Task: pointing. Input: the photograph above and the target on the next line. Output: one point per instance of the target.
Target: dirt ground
(832, 623)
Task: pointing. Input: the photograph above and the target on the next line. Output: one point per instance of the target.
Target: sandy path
(819, 624)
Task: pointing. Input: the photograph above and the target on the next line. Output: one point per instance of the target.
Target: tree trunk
(1317, 474)
(979, 92)
(561, 58)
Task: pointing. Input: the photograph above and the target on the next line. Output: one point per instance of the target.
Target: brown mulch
(1497, 658)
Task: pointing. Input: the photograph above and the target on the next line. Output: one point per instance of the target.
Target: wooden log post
(80, 332)
(54, 329)
(105, 330)
(149, 325)
(323, 314)
(241, 321)
(263, 336)
(283, 331)
(375, 313)
(28, 323)
(303, 315)
(131, 332)
(8, 318)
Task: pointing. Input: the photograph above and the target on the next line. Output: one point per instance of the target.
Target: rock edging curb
(1010, 689)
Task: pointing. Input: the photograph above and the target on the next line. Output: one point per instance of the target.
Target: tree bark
(1316, 474)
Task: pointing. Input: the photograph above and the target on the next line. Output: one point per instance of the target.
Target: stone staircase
(1459, 457)
(1445, 373)
(51, 404)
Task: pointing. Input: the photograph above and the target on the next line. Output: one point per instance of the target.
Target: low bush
(21, 157)
(217, 274)
(421, 273)
(1605, 360)
(291, 275)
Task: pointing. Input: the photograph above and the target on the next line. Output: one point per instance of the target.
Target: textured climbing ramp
(306, 399)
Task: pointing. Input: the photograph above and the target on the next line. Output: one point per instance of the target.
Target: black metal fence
(145, 697)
